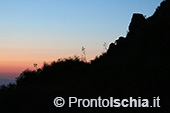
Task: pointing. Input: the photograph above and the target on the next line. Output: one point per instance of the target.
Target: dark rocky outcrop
(137, 21)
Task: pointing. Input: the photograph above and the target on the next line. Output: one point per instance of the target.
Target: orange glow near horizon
(16, 61)
(15, 67)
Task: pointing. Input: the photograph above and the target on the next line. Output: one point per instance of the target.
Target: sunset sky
(38, 31)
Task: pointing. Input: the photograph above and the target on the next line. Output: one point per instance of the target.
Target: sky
(38, 31)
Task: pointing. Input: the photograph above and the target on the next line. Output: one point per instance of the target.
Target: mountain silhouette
(137, 65)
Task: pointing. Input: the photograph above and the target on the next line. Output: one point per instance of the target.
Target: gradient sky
(34, 31)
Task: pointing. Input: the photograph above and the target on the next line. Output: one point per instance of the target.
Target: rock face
(152, 32)
(162, 11)
(137, 21)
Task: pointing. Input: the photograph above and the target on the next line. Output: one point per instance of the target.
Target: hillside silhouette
(137, 65)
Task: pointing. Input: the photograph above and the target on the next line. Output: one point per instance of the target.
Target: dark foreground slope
(137, 65)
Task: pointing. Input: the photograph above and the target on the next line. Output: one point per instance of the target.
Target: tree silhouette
(35, 65)
(105, 46)
(83, 53)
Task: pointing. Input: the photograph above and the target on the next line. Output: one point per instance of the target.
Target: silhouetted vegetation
(135, 65)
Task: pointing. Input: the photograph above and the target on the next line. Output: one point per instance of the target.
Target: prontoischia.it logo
(111, 102)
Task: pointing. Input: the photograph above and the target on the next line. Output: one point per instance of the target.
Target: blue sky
(34, 31)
